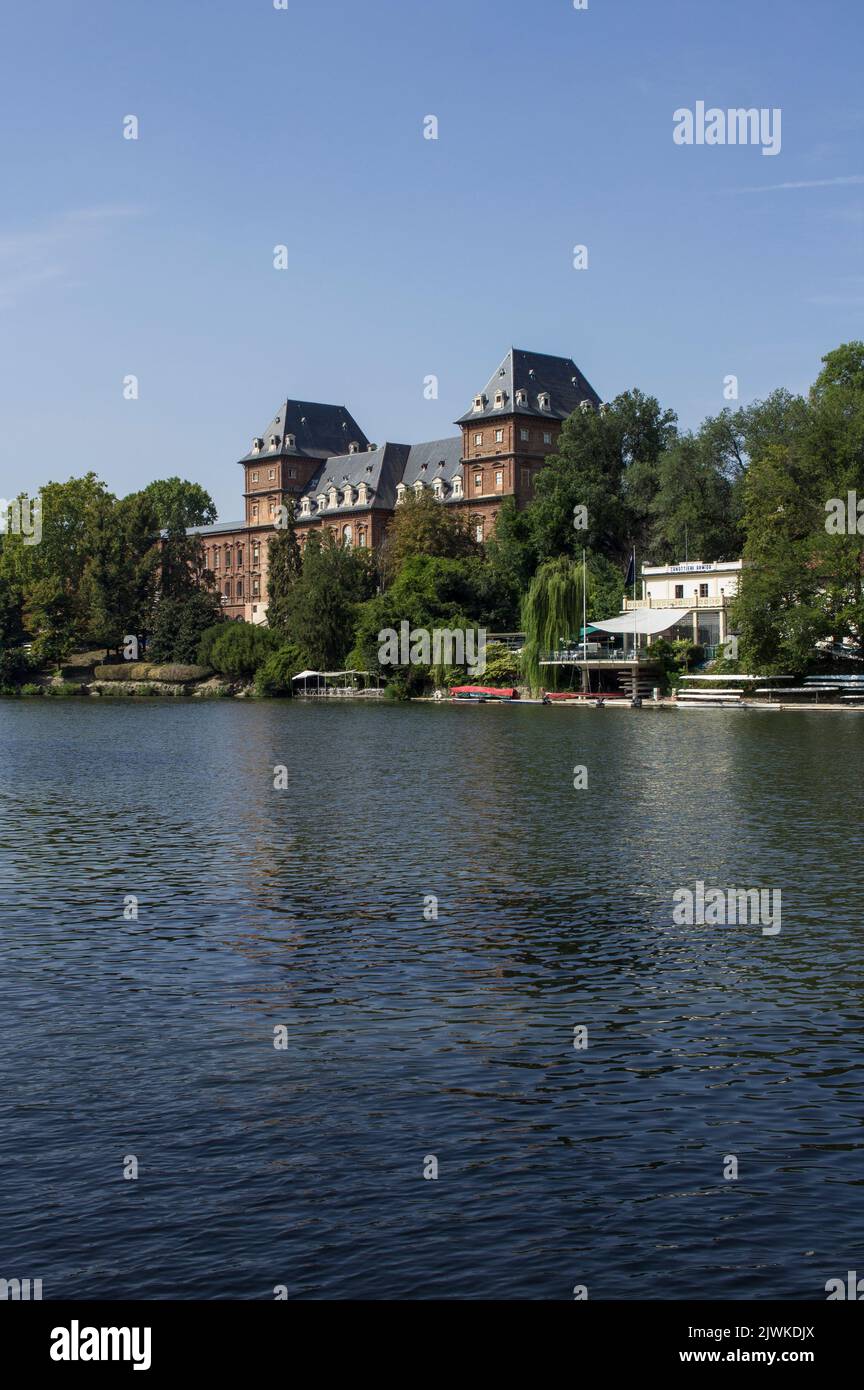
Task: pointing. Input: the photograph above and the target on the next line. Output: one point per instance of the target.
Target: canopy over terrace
(644, 622)
(329, 676)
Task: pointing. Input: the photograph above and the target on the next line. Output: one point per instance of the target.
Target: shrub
(237, 649)
(29, 689)
(274, 676)
(15, 662)
(60, 689)
(122, 671)
(178, 674)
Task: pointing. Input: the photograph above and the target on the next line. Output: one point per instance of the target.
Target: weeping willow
(551, 610)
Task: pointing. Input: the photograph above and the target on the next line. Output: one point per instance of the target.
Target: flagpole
(635, 646)
(584, 608)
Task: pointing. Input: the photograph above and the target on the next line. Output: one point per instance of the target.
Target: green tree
(284, 566)
(420, 525)
(180, 504)
(606, 463)
(333, 581)
(551, 612)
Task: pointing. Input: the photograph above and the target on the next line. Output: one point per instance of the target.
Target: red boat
(484, 692)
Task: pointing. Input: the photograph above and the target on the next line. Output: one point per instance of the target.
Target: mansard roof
(440, 458)
(380, 469)
(534, 373)
(320, 431)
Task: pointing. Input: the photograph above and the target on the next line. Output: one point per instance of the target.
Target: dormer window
(521, 397)
(479, 402)
(544, 401)
(401, 490)
(354, 447)
(305, 509)
(290, 441)
(438, 488)
(500, 399)
(419, 486)
(362, 494)
(348, 496)
(457, 486)
(333, 496)
(371, 448)
(321, 499)
(274, 441)
(256, 445)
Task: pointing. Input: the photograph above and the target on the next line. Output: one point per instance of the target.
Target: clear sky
(406, 256)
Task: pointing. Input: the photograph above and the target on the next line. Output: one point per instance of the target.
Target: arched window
(347, 536)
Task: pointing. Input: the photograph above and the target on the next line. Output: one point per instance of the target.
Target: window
(254, 477)
(239, 557)
(239, 588)
(478, 482)
(227, 588)
(274, 441)
(544, 400)
(347, 536)
(521, 397)
(499, 478)
(216, 558)
(227, 558)
(547, 437)
(254, 511)
(524, 435)
(256, 556)
(271, 473)
(457, 486)
(438, 488)
(703, 590)
(361, 538)
(478, 531)
(525, 478)
(292, 472)
(400, 493)
(479, 402)
(478, 440)
(348, 496)
(256, 588)
(499, 436)
(679, 590)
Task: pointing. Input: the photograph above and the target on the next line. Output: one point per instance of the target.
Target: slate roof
(534, 373)
(320, 431)
(380, 469)
(439, 458)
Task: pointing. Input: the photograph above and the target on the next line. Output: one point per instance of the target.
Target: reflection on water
(409, 1037)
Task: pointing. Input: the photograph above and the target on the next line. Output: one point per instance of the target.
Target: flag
(631, 571)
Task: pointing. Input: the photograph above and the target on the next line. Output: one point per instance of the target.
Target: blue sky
(406, 257)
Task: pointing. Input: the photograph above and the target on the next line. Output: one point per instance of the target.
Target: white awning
(645, 622)
(304, 674)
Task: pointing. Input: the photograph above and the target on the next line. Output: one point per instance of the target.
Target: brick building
(319, 456)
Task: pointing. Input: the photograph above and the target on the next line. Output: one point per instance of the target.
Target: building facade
(703, 592)
(318, 456)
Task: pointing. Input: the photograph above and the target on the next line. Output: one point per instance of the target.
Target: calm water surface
(408, 1037)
